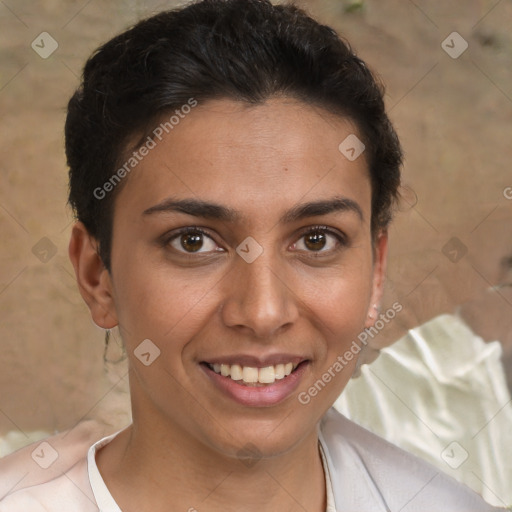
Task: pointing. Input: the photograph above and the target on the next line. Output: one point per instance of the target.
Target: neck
(152, 464)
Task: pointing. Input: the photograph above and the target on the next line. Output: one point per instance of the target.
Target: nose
(259, 298)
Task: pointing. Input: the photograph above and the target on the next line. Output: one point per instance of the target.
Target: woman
(233, 173)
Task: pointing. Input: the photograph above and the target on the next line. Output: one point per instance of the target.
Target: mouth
(256, 386)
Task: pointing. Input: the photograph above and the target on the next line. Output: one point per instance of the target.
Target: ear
(93, 279)
(380, 255)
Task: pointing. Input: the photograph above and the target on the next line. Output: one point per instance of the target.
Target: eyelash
(341, 238)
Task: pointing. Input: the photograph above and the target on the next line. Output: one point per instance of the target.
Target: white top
(364, 473)
(104, 499)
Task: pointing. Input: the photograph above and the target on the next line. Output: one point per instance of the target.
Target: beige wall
(454, 117)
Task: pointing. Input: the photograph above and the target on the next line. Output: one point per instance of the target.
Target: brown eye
(315, 240)
(192, 240)
(320, 240)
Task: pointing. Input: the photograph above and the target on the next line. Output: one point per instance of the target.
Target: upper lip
(257, 361)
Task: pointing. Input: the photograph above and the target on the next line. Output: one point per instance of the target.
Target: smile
(253, 376)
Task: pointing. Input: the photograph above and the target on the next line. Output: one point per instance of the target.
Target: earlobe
(92, 277)
(379, 275)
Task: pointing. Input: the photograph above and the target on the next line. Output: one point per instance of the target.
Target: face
(243, 240)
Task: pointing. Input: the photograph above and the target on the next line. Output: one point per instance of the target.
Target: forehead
(254, 158)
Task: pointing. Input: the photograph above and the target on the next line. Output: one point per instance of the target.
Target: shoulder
(394, 478)
(50, 474)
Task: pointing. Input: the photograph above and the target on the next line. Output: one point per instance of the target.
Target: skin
(262, 161)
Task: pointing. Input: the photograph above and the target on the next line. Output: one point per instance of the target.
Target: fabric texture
(440, 392)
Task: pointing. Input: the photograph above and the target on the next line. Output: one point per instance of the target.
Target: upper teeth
(249, 374)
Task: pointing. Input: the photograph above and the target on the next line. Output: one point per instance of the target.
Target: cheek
(158, 304)
(343, 317)
(340, 312)
(340, 299)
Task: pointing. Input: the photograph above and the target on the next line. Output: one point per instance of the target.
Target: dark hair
(245, 50)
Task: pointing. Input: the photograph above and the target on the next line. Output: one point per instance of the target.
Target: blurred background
(447, 67)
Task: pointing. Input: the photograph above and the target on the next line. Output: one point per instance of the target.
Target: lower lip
(261, 396)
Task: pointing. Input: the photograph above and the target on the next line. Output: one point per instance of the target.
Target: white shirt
(364, 473)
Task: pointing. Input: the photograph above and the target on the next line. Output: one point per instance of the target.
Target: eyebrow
(214, 211)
